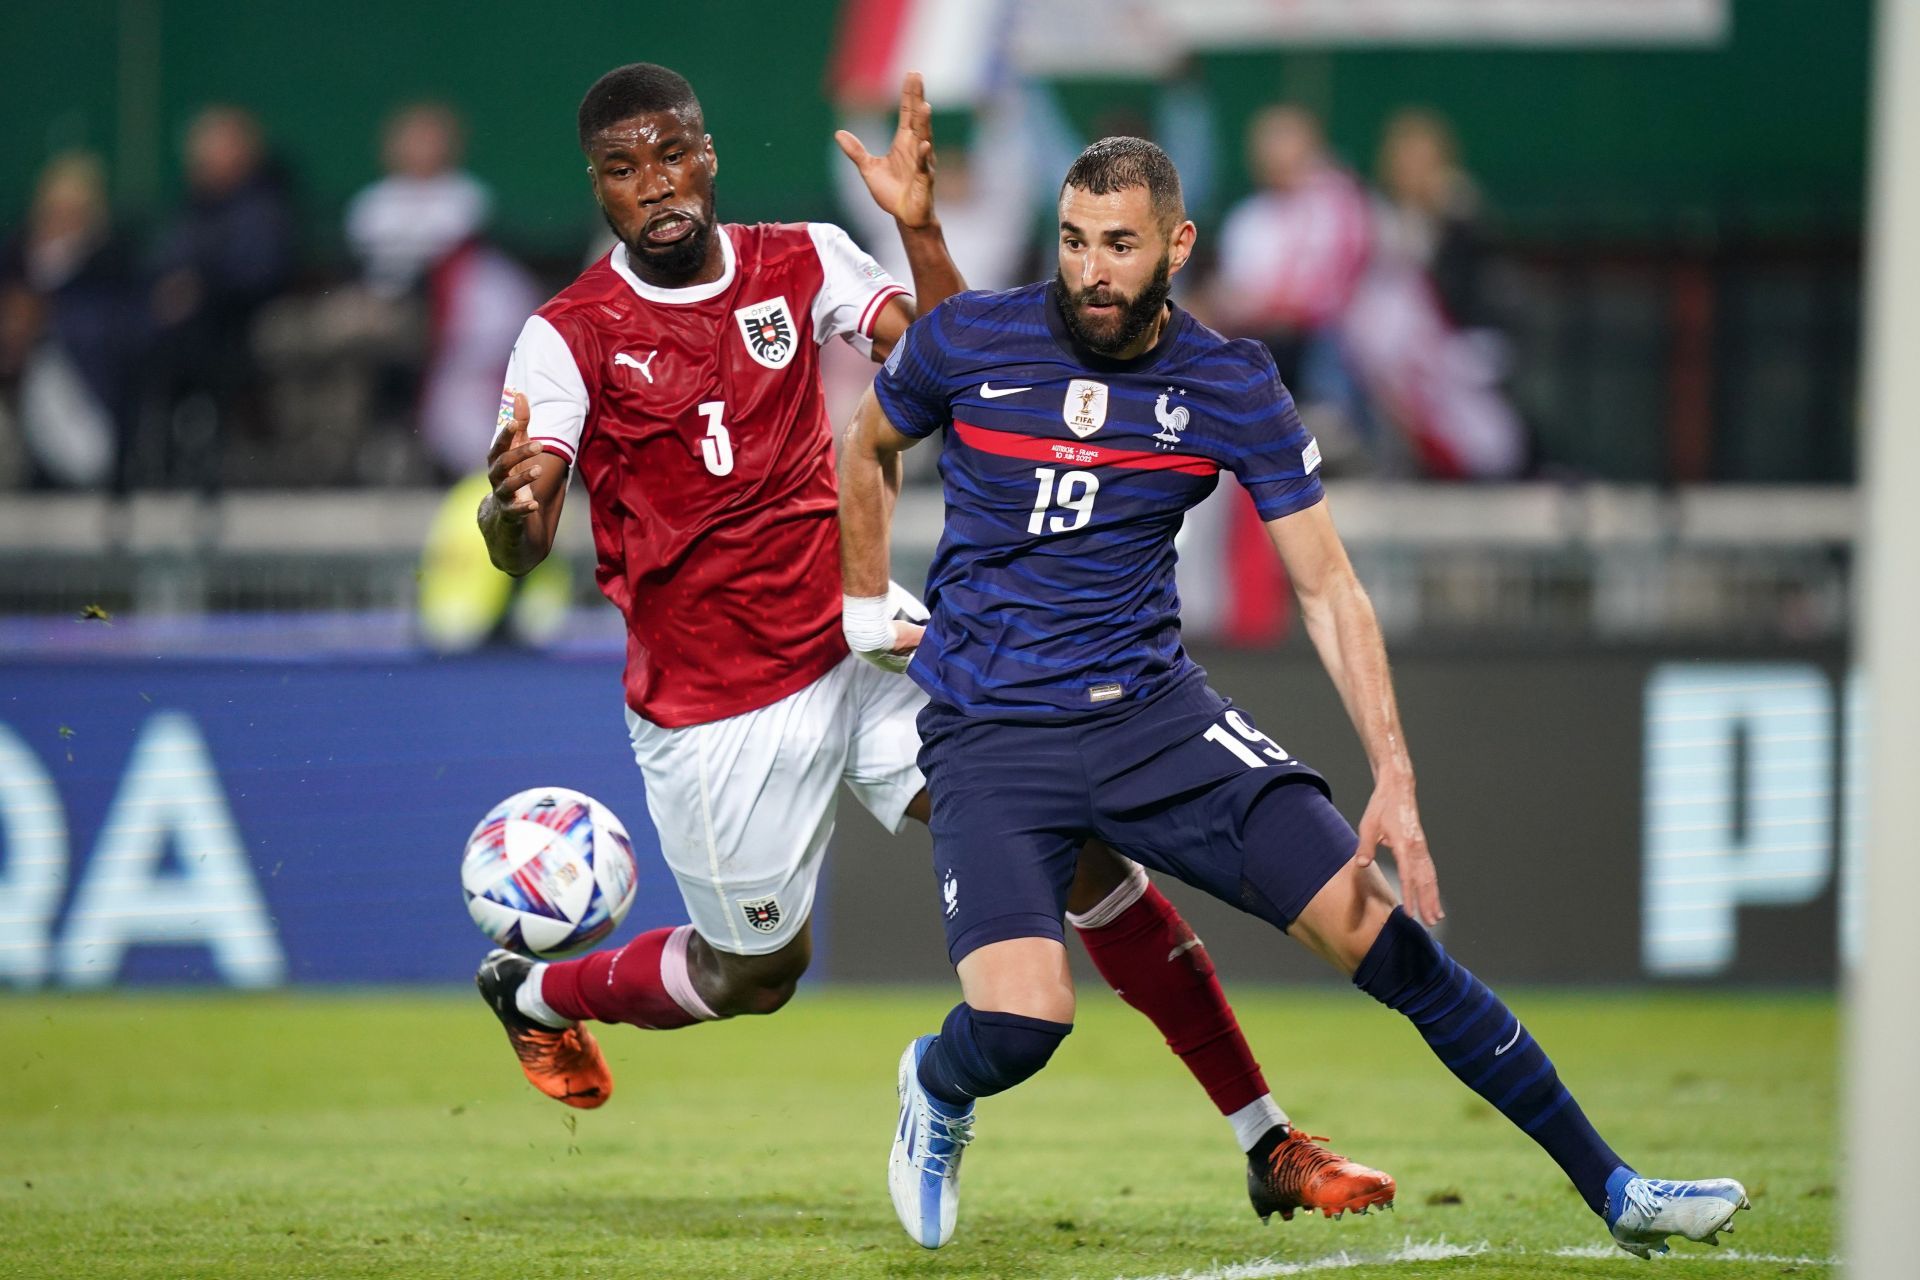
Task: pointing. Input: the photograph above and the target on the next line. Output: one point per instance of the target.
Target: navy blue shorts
(1184, 784)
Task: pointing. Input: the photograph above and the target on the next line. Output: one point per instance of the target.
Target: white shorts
(745, 806)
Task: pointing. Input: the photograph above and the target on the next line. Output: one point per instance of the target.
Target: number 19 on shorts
(1075, 493)
(1245, 741)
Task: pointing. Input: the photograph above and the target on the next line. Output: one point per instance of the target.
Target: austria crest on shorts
(768, 330)
(1085, 410)
(763, 914)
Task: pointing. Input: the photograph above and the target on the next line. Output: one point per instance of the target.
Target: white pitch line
(1715, 1255)
(1441, 1250)
(1410, 1250)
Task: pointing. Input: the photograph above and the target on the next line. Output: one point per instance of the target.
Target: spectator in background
(69, 327)
(229, 251)
(477, 299)
(419, 232)
(400, 226)
(428, 330)
(1430, 216)
(1417, 329)
(1291, 255)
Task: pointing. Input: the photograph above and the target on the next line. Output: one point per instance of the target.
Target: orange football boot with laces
(565, 1063)
(1299, 1173)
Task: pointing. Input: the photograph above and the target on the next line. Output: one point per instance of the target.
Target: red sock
(1153, 961)
(643, 984)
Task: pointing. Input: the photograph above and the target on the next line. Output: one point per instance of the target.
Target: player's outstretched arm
(869, 466)
(519, 517)
(1340, 619)
(901, 182)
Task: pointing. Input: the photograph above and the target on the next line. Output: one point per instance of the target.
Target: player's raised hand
(901, 181)
(1393, 819)
(513, 461)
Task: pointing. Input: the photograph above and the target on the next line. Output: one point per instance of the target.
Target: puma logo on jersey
(624, 359)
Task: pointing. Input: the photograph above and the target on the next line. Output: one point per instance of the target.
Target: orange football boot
(565, 1063)
(1299, 1173)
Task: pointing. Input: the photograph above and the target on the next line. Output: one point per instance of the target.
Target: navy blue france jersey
(1067, 475)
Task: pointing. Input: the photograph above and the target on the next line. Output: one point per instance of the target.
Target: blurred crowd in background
(217, 351)
(245, 325)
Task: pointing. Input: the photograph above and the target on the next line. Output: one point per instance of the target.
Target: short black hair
(1115, 164)
(632, 90)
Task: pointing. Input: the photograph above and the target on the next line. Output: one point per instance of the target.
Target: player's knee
(768, 997)
(750, 995)
(999, 1050)
(1404, 967)
(1102, 877)
(744, 986)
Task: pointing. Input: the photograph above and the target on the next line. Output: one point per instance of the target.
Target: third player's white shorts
(745, 806)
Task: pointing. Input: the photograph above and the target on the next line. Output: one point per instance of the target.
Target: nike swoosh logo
(1509, 1044)
(990, 392)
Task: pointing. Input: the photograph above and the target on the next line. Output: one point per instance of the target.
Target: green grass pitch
(391, 1135)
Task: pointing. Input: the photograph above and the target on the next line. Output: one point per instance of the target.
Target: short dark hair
(1115, 164)
(632, 90)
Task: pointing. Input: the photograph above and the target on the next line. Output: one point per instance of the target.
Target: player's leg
(1007, 821)
(743, 808)
(1354, 922)
(1153, 960)
(1169, 794)
(1137, 939)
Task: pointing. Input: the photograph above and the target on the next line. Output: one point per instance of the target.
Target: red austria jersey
(696, 421)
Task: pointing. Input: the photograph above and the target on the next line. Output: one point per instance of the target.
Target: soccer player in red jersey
(679, 376)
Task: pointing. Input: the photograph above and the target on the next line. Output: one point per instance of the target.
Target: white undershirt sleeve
(853, 289)
(543, 369)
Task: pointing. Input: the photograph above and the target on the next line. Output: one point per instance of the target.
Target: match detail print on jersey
(1018, 444)
(767, 329)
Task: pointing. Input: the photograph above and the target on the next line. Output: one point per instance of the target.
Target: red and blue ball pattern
(548, 872)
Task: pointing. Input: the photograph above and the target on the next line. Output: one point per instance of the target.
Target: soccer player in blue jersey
(1084, 417)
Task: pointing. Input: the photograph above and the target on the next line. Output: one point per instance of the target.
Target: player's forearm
(869, 480)
(935, 275)
(1345, 632)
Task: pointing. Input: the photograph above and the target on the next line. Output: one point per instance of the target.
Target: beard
(1109, 334)
(678, 261)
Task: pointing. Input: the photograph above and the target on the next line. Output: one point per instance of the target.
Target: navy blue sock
(980, 1054)
(1484, 1044)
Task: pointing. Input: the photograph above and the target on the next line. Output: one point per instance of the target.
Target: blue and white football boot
(923, 1173)
(1643, 1212)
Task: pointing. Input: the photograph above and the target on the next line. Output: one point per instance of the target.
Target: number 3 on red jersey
(716, 447)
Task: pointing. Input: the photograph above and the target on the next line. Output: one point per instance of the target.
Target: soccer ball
(548, 872)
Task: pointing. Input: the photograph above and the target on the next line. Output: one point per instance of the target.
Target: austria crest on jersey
(768, 330)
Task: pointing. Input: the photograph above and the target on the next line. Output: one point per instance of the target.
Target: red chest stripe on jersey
(1015, 444)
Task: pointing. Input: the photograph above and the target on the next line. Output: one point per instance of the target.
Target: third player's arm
(1340, 620)
(869, 465)
(901, 182)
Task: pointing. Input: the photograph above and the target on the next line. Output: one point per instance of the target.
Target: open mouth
(669, 228)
